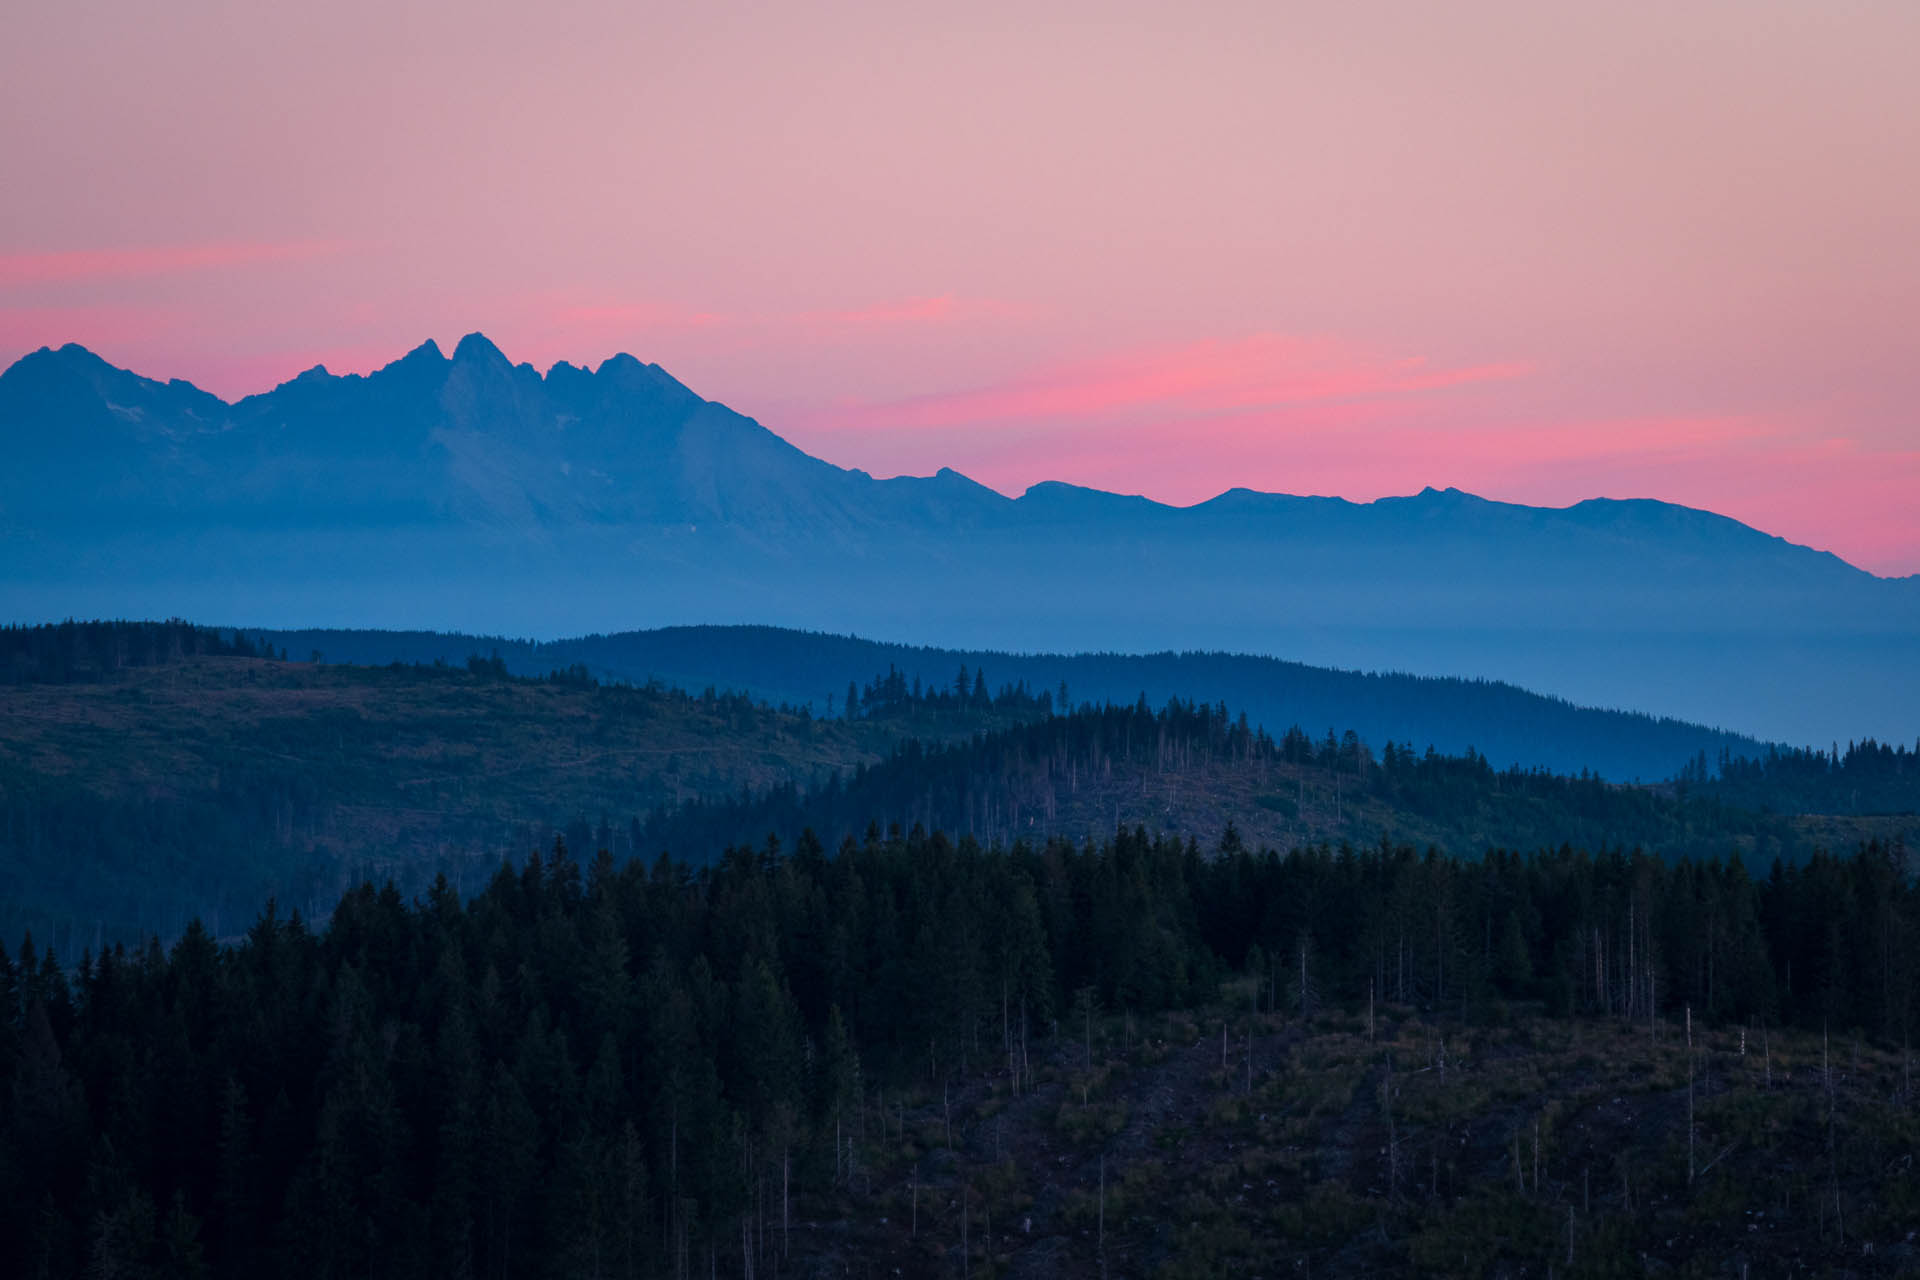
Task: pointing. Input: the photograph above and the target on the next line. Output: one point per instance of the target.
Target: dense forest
(844, 992)
(1865, 777)
(1189, 767)
(69, 652)
(626, 1070)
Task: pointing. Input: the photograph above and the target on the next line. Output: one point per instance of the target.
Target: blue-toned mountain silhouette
(470, 493)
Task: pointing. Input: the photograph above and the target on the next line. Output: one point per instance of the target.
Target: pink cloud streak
(1263, 371)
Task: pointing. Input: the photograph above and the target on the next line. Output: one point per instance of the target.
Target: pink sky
(1541, 252)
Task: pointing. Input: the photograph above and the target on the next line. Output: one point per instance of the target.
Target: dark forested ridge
(1506, 724)
(1187, 768)
(135, 794)
(1863, 777)
(153, 772)
(88, 652)
(942, 1059)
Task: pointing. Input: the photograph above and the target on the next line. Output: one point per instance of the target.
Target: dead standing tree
(1306, 991)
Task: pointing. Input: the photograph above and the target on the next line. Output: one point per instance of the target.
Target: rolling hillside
(144, 781)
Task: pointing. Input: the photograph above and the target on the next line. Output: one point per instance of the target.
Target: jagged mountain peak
(477, 349)
(425, 356)
(67, 359)
(659, 451)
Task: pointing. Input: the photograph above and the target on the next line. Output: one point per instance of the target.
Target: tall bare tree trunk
(1252, 1013)
(966, 1250)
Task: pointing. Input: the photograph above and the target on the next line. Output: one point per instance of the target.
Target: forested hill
(926, 1058)
(1507, 725)
(1193, 770)
(153, 772)
(1865, 777)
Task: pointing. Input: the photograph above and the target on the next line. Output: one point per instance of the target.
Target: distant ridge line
(1503, 721)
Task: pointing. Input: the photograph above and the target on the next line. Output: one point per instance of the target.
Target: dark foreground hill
(919, 1058)
(1506, 724)
(466, 491)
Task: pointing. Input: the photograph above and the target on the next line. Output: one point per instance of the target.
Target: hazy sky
(1539, 251)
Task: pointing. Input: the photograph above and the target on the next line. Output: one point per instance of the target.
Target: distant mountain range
(475, 494)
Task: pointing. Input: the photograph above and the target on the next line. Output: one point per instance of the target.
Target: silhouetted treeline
(894, 694)
(1530, 806)
(64, 652)
(602, 1072)
(989, 786)
(1867, 777)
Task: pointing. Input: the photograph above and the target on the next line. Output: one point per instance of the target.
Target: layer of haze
(1541, 252)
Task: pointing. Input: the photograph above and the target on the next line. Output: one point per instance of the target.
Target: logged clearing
(1591, 1147)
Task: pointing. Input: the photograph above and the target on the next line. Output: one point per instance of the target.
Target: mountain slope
(473, 493)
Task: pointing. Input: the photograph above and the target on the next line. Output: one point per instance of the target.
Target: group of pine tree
(995, 784)
(606, 1070)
